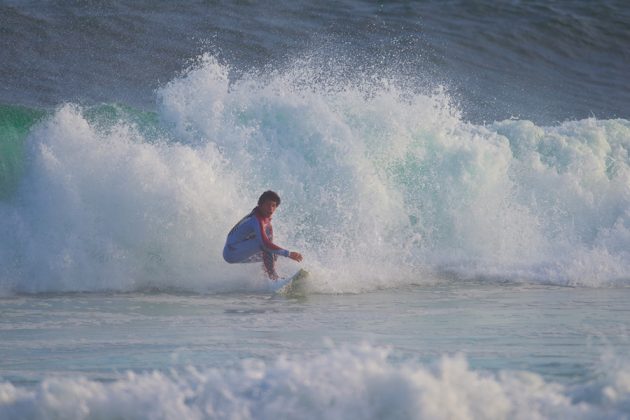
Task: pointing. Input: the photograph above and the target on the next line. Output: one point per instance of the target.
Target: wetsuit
(250, 240)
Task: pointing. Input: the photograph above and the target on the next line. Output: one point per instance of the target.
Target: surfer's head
(269, 196)
(268, 202)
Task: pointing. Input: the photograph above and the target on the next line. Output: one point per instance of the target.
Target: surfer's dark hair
(269, 195)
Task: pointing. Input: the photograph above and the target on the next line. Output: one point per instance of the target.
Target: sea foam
(346, 382)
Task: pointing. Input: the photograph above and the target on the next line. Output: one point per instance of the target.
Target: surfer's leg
(249, 252)
(242, 252)
(269, 263)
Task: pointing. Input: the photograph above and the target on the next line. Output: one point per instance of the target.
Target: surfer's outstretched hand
(295, 256)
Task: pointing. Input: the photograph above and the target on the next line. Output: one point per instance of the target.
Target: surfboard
(291, 286)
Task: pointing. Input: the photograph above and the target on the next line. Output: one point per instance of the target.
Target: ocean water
(456, 175)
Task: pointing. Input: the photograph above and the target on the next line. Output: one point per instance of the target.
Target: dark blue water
(530, 59)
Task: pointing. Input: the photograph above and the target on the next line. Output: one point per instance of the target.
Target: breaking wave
(381, 186)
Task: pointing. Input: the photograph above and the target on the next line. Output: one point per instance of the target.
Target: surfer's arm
(266, 244)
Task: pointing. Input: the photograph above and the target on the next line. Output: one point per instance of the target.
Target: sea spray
(381, 186)
(400, 178)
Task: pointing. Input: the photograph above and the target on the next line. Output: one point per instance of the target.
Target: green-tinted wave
(106, 116)
(15, 123)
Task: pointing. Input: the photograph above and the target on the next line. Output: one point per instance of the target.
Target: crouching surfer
(251, 239)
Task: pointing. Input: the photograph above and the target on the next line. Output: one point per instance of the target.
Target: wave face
(373, 388)
(380, 185)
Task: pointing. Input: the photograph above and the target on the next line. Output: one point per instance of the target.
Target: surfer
(251, 239)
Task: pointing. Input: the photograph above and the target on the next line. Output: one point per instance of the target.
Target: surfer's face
(267, 208)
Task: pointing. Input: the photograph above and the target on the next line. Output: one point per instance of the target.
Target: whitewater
(382, 187)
